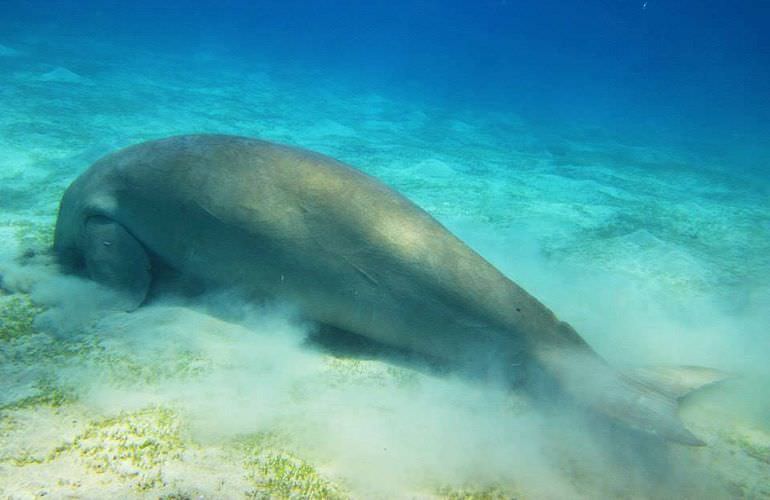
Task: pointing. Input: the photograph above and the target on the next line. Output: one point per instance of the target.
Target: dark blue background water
(684, 73)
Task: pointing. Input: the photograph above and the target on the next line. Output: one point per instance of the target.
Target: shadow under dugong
(278, 222)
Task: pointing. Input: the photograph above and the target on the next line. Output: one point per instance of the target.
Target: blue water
(693, 74)
(611, 156)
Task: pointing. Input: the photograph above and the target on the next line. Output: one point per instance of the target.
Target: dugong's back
(283, 223)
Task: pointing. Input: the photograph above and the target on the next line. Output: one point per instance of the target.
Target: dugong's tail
(644, 399)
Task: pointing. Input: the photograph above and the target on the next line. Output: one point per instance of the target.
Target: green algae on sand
(17, 316)
(132, 445)
(276, 473)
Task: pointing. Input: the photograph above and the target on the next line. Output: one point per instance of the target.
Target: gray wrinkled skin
(277, 222)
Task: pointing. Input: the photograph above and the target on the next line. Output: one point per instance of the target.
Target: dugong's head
(87, 240)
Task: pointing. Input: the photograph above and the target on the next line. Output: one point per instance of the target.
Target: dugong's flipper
(113, 257)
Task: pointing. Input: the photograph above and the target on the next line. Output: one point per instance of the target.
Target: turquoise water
(610, 157)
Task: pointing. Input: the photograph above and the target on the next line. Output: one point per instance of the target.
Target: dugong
(281, 223)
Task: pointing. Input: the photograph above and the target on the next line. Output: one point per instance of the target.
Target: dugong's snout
(102, 249)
